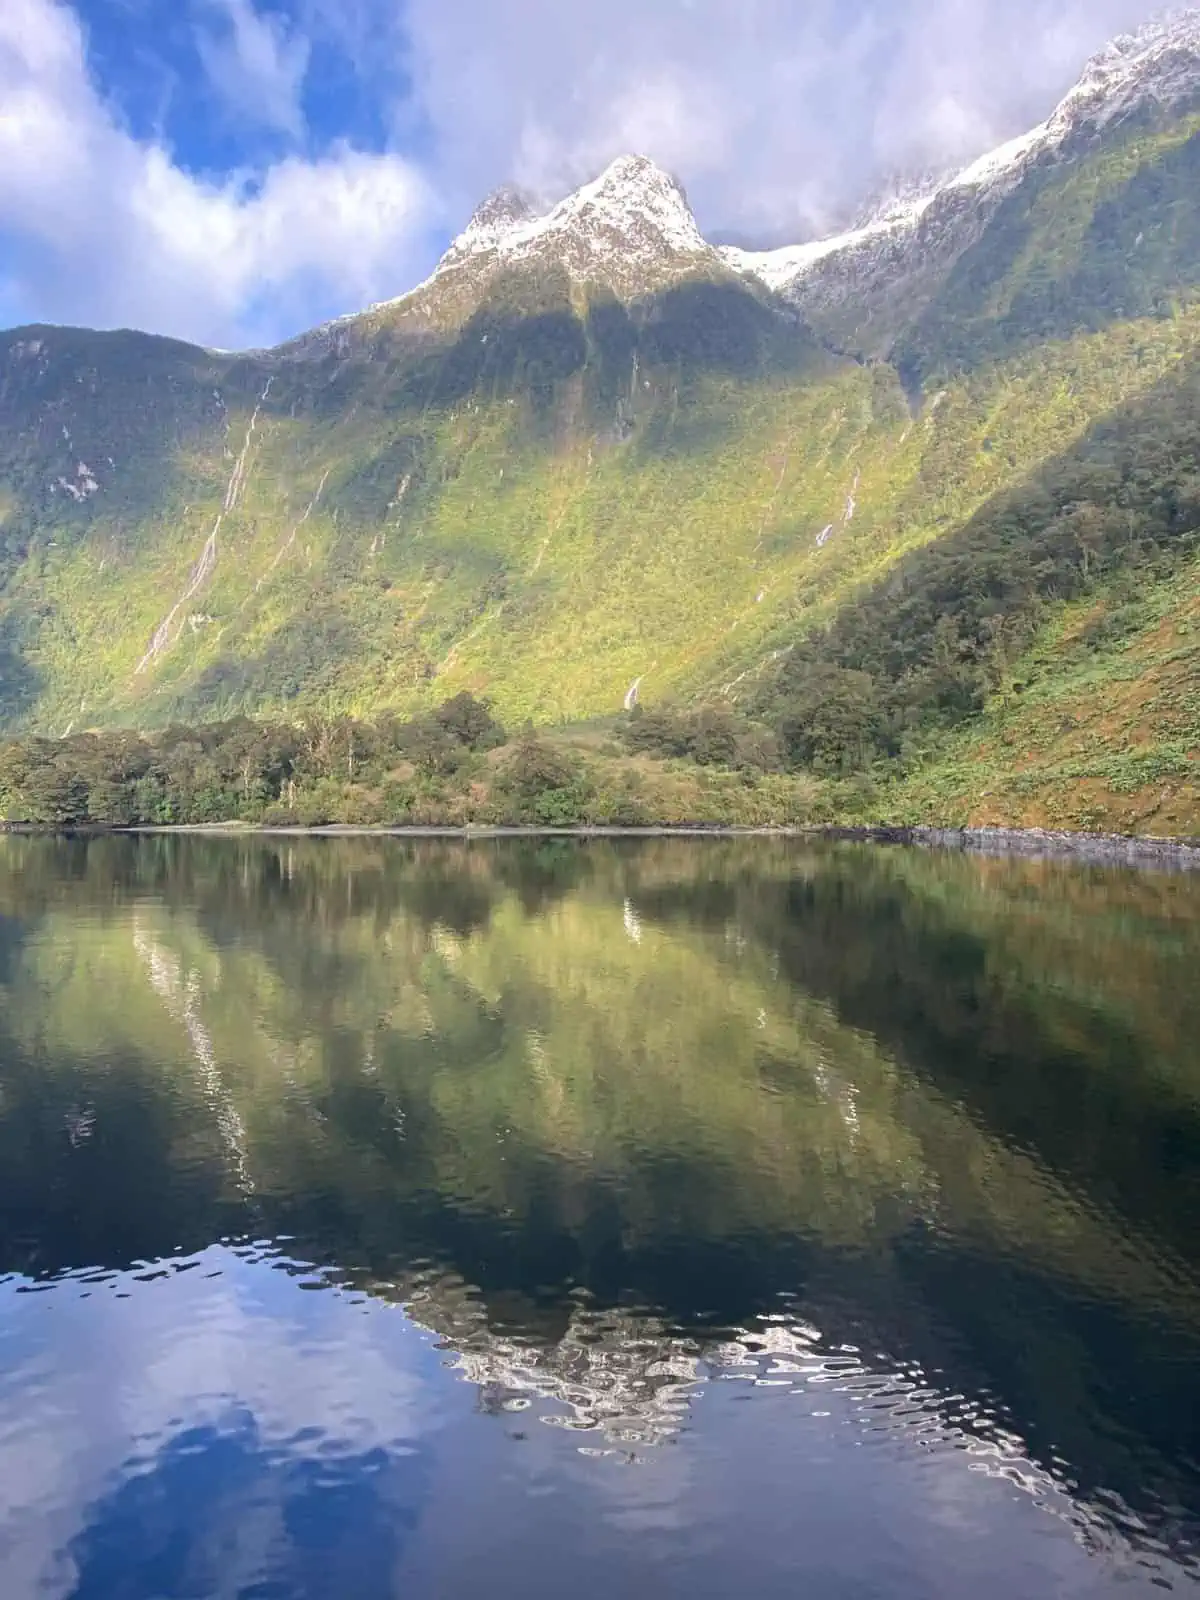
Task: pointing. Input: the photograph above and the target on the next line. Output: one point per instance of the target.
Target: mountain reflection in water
(733, 1160)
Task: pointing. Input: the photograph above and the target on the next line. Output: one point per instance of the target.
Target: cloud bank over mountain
(779, 115)
(339, 142)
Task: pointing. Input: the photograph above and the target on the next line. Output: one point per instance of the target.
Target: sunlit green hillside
(545, 495)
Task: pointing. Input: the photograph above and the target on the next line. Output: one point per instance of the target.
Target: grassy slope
(545, 530)
(548, 573)
(1105, 732)
(1105, 735)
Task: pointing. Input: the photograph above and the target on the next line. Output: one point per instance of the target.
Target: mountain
(593, 451)
(863, 287)
(631, 229)
(628, 233)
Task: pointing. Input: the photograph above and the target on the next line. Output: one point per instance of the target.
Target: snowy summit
(632, 224)
(632, 228)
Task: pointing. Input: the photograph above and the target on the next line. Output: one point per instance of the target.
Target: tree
(832, 721)
(542, 784)
(54, 794)
(713, 737)
(470, 722)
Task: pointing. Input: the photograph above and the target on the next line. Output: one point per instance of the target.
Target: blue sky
(232, 171)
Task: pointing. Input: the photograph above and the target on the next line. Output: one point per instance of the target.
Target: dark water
(673, 1218)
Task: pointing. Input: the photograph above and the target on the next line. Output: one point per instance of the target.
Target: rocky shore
(1103, 849)
(1098, 848)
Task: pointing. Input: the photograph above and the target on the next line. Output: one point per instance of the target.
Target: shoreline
(1047, 844)
(1028, 843)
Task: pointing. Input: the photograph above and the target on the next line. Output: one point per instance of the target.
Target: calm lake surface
(705, 1218)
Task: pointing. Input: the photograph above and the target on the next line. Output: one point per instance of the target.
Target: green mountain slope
(582, 459)
(400, 550)
(1111, 233)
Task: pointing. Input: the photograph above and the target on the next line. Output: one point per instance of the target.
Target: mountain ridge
(589, 452)
(648, 233)
(1157, 65)
(632, 227)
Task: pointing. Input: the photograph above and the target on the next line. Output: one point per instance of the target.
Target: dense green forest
(320, 771)
(455, 766)
(950, 625)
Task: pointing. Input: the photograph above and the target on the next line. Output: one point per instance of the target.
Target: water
(662, 1218)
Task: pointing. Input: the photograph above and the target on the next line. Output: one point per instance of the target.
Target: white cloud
(256, 65)
(110, 230)
(777, 114)
(780, 116)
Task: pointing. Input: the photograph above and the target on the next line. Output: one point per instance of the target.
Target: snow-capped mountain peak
(631, 226)
(1159, 61)
(630, 229)
(635, 197)
(500, 215)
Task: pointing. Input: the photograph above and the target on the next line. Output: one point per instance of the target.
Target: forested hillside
(583, 468)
